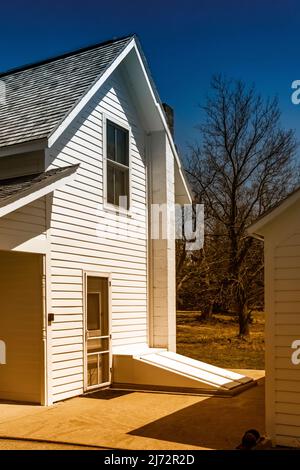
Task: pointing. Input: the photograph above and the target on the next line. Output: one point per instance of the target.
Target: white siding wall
(83, 237)
(287, 329)
(162, 258)
(25, 228)
(282, 260)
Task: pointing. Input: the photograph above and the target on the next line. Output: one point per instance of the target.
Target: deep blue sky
(185, 42)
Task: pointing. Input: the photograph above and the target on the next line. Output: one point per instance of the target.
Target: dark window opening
(117, 176)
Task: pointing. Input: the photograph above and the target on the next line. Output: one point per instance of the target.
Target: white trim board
(56, 133)
(255, 229)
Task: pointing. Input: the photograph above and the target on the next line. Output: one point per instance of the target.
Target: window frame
(108, 205)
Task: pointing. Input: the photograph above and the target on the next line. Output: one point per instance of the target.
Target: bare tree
(244, 164)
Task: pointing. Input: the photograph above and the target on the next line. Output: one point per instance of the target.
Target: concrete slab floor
(134, 420)
(10, 444)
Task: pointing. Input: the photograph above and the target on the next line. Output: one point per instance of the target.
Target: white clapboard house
(87, 299)
(279, 228)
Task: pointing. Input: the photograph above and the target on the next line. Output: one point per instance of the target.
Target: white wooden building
(87, 299)
(280, 230)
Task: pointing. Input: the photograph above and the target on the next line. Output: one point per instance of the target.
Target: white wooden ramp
(167, 371)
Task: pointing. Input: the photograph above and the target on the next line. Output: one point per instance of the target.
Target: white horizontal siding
(83, 237)
(287, 329)
(24, 227)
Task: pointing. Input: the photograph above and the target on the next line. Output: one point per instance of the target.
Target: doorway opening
(97, 332)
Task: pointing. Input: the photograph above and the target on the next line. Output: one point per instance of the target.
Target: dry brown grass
(217, 341)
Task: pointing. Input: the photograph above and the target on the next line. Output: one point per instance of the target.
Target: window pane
(97, 306)
(110, 184)
(117, 151)
(121, 185)
(93, 311)
(122, 146)
(94, 284)
(111, 150)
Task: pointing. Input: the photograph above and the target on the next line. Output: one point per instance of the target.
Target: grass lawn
(216, 341)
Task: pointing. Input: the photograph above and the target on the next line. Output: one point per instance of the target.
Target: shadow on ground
(114, 419)
(108, 394)
(214, 423)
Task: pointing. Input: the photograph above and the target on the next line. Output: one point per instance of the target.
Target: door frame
(107, 276)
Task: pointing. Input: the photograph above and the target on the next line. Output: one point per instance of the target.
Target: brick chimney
(170, 117)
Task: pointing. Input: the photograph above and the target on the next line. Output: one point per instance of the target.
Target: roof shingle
(39, 96)
(22, 184)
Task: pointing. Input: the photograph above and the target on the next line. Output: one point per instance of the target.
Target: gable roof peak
(40, 95)
(67, 54)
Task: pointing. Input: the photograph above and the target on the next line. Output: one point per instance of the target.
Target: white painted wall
(78, 216)
(25, 229)
(77, 232)
(282, 296)
(162, 251)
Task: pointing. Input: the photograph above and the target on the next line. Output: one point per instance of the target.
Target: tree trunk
(244, 321)
(207, 313)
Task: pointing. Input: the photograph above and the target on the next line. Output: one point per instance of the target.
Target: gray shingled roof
(21, 185)
(39, 96)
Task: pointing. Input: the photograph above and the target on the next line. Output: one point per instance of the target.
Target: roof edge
(91, 90)
(23, 147)
(10, 204)
(255, 229)
(162, 114)
(101, 78)
(64, 55)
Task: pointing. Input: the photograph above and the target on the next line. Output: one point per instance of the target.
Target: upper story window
(117, 163)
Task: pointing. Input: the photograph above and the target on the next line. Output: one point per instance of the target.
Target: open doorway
(21, 325)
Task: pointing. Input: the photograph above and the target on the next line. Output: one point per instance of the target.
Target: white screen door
(97, 332)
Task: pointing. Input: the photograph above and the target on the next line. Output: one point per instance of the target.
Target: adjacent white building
(280, 230)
